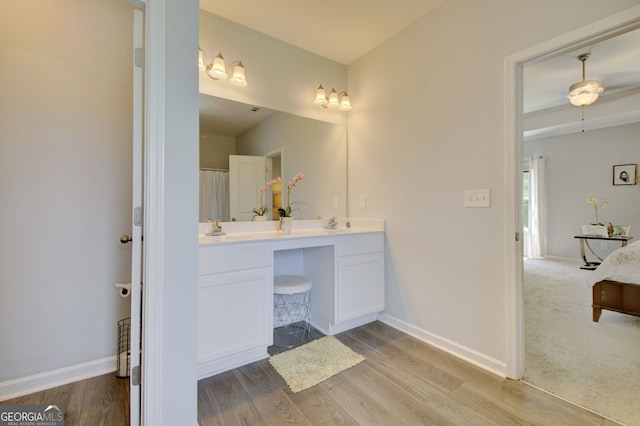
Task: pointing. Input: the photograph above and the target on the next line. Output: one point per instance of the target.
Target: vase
(286, 224)
(259, 218)
(599, 230)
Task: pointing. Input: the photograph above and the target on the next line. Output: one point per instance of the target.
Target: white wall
(280, 76)
(215, 150)
(65, 181)
(429, 124)
(577, 165)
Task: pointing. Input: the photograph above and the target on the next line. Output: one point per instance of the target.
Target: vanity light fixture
(334, 100)
(218, 71)
(585, 92)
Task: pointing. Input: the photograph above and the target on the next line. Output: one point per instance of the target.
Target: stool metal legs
(291, 319)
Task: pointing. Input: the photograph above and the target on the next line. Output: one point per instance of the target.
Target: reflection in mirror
(242, 147)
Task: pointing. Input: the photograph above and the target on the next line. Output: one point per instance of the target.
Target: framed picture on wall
(624, 174)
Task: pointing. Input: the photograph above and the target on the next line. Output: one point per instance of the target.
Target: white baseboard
(474, 357)
(49, 379)
(334, 329)
(211, 367)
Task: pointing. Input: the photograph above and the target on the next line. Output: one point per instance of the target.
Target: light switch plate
(477, 198)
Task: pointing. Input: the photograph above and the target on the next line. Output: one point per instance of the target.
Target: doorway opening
(581, 38)
(274, 170)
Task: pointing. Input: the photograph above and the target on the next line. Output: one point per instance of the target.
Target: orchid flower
(593, 200)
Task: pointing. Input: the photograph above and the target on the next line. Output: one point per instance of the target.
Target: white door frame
(154, 203)
(136, 225)
(162, 364)
(514, 64)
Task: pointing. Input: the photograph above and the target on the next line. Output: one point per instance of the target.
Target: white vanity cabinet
(234, 306)
(235, 288)
(360, 285)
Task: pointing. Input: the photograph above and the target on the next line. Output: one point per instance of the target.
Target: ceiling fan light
(585, 92)
(583, 99)
(238, 78)
(589, 86)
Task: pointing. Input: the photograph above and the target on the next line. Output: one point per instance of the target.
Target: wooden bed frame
(615, 296)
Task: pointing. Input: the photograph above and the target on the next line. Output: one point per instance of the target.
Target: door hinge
(517, 236)
(135, 376)
(137, 216)
(138, 57)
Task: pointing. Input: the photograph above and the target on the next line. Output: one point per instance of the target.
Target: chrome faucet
(332, 223)
(216, 228)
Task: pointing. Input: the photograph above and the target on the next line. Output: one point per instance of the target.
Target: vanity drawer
(350, 245)
(233, 257)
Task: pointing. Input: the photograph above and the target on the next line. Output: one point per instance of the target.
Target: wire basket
(124, 348)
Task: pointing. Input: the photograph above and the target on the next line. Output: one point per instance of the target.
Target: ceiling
(615, 62)
(228, 118)
(322, 28)
(340, 30)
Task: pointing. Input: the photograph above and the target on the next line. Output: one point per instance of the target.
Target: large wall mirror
(233, 136)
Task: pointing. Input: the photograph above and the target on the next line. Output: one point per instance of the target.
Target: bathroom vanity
(235, 284)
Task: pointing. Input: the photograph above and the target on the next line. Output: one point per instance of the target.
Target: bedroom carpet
(595, 365)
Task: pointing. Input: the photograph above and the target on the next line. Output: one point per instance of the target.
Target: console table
(584, 240)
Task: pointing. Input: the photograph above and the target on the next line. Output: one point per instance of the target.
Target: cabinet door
(234, 313)
(360, 288)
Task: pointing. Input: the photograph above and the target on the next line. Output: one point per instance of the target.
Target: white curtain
(537, 247)
(214, 195)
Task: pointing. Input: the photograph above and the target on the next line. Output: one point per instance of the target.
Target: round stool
(291, 310)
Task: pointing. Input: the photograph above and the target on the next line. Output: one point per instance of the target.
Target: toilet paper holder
(124, 289)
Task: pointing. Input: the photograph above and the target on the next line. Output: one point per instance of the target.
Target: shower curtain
(214, 195)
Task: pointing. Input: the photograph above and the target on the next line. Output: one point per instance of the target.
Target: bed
(616, 282)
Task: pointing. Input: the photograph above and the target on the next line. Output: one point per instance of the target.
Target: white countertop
(236, 232)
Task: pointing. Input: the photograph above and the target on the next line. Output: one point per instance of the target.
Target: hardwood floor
(101, 400)
(401, 382)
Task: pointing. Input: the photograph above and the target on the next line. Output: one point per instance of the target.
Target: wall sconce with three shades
(218, 71)
(334, 100)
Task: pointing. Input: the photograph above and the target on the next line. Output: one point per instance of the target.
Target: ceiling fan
(584, 92)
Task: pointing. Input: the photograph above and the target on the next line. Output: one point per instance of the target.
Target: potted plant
(596, 228)
(286, 221)
(260, 212)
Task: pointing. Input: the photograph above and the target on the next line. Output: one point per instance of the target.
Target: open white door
(137, 216)
(246, 177)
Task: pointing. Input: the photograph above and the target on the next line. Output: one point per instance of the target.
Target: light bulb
(345, 103)
(217, 69)
(201, 64)
(238, 78)
(321, 98)
(333, 99)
